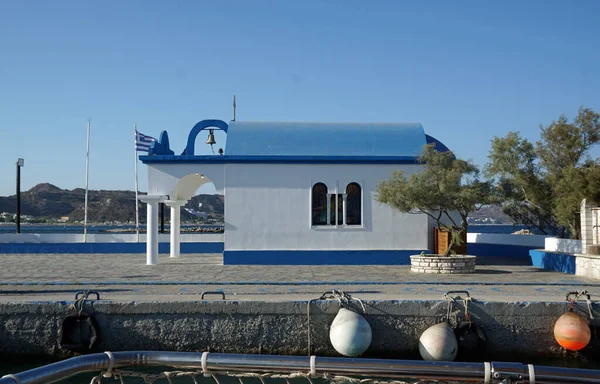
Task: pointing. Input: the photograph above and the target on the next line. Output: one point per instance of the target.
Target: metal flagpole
(87, 163)
(137, 213)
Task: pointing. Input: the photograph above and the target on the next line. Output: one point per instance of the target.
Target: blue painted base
(210, 247)
(559, 262)
(320, 257)
(500, 254)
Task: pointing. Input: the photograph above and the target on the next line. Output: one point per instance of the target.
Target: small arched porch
(174, 179)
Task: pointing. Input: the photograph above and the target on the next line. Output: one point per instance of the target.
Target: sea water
(64, 228)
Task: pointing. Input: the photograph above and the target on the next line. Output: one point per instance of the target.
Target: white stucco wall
(267, 206)
(507, 239)
(554, 244)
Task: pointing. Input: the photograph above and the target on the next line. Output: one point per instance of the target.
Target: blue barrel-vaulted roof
(298, 142)
(324, 139)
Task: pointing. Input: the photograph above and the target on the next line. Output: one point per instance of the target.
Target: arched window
(353, 202)
(319, 204)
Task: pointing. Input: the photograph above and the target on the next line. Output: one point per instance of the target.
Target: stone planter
(440, 264)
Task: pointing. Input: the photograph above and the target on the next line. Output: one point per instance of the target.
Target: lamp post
(20, 163)
(162, 217)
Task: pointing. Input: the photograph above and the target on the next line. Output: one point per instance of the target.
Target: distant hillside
(48, 201)
(489, 213)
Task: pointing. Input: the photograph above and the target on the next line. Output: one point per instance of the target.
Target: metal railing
(312, 366)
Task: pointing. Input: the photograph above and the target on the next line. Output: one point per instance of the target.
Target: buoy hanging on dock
(350, 333)
(572, 331)
(470, 337)
(471, 341)
(438, 342)
(79, 331)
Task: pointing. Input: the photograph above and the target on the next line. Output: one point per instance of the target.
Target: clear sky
(466, 70)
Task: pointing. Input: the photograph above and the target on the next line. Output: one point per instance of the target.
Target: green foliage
(445, 186)
(542, 185)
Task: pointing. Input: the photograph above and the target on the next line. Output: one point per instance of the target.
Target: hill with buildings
(47, 202)
(491, 214)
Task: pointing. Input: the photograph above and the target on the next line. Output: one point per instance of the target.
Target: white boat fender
(350, 333)
(438, 342)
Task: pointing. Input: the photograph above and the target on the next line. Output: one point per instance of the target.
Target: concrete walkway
(125, 277)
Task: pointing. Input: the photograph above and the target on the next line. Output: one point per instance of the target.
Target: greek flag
(142, 142)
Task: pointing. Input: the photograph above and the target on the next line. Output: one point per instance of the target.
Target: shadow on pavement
(491, 271)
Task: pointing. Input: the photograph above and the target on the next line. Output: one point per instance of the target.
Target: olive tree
(543, 184)
(446, 189)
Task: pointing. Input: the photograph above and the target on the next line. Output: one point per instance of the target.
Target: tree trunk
(448, 249)
(576, 229)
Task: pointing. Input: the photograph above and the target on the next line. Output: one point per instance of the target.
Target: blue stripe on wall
(320, 257)
(553, 261)
(252, 159)
(208, 247)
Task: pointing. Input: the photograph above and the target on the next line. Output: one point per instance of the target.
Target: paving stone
(127, 277)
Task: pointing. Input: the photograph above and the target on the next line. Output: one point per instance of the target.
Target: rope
(203, 362)
(487, 379)
(111, 364)
(589, 306)
(531, 373)
(579, 294)
(78, 304)
(467, 314)
(170, 376)
(451, 302)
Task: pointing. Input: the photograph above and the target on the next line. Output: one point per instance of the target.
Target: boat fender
(471, 341)
(572, 331)
(78, 332)
(438, 342)
(350, 333)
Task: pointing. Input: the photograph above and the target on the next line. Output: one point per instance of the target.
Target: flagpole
(137, 214)
(87, 164)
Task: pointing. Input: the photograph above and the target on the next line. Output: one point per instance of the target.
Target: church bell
(211, 137)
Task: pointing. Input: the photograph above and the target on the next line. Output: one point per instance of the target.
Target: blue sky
(466, 70)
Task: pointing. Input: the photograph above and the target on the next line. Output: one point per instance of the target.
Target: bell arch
(200, 126)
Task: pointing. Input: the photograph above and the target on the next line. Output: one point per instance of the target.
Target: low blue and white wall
(105, 243)
(563, 255)
(503, 249)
